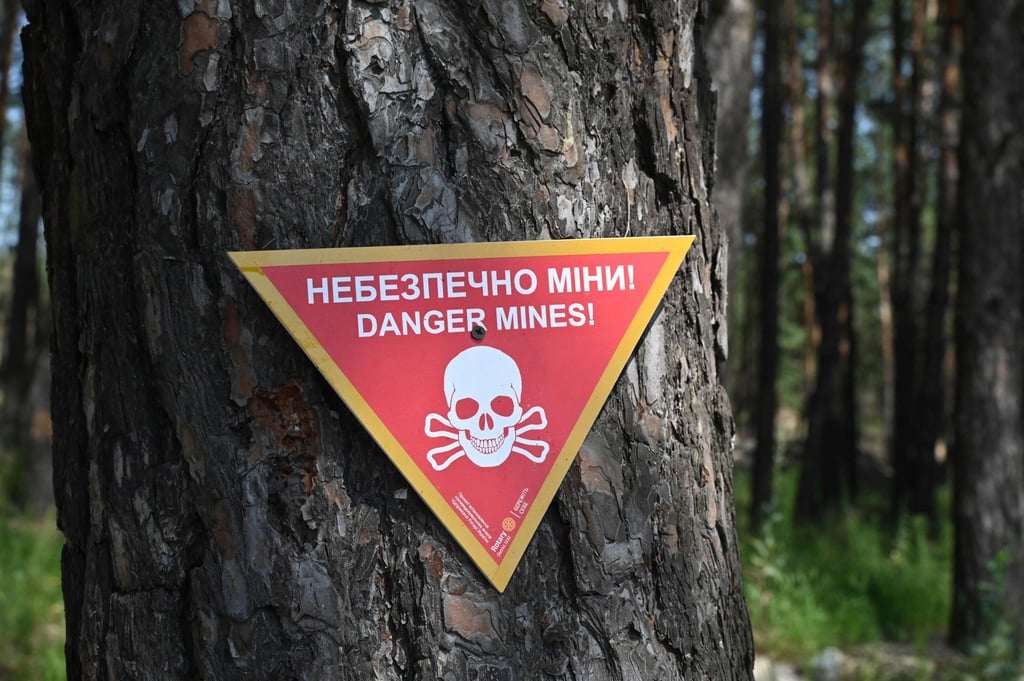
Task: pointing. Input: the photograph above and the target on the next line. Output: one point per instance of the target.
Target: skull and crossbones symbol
(485, 421)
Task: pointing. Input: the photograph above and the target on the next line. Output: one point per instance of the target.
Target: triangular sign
(478, 368)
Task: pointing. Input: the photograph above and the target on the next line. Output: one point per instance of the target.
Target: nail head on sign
(478, 332)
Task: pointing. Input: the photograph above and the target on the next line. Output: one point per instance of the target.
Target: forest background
(840, 146)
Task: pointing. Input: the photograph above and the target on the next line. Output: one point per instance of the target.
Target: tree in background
(920, 301)
(14, 353)
(828, 466)
(226, 517)
(933, 384)
(989, 448)
(771, 143)
(9, 12)
(731, 33)
(24, 334)
(24, 417)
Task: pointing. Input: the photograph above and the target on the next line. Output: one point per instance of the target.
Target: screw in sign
(478, 368)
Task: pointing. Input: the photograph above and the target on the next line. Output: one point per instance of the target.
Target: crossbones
(485, 420)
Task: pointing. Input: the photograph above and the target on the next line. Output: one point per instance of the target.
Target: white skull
(483, 386)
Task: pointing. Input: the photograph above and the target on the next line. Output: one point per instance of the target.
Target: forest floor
(854, 599)
(873, 661)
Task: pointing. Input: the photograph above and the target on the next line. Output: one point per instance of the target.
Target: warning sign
(478, 368)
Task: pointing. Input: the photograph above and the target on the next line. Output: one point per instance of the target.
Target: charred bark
(226, 516)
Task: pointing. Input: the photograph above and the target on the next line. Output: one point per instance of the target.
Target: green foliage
(31, 606)
(998, 656)
(844, 584)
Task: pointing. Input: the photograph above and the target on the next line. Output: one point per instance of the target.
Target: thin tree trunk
(931, 399)
(22, 322)
(904, 264)
(730, 56)
(989, 448)
(795, 103)
(802, 189)
(831, 429)
(771, 127)
(883, 269)
(918, 405)
(25, 414)
(8, 29)
(226, 517)
(845, 444)
(818, 487)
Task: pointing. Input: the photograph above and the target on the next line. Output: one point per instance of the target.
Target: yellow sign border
(251, 264)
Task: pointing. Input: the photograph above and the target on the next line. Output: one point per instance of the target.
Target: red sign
(478, 368)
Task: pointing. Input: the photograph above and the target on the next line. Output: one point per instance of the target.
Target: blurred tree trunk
(771, 128)
(883, 270)
(846, 447)
(22, 322)
(25, 409)
(989, 448)
(905, 246)
(829, 462)
(818, 485)
(8, 29)
(730, 56)
(932, 383)
(919, 336)
(226, 517)
(802, 204)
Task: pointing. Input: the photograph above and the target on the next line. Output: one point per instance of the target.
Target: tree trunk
(883, 270)
(8, 29)
(771, 128)
(25, 410)
(226, 516)
(802, 189)
(23, 322)
(818, 486)
(843, 444)
(932, 384)
(830, 451)
(730, 55)
(904, 259)
(918, 341)
(989, 448)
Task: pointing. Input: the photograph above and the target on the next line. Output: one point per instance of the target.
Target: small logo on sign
(508, 524)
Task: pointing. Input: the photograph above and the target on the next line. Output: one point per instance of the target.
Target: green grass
(843, 584)
(31, 606)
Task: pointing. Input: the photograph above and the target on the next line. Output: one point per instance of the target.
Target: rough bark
(226, 517)
(989, 448)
